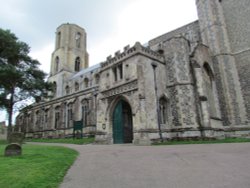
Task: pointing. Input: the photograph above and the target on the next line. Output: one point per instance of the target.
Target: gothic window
(54, 87)
(57, 117)
(208, 86)
(163, 104)
(67, 90)
(78, 39)
(85, 110)
(70, 115)
(86, 82)
(76, 86)
(58, 39)
(57, 61)
(77, 64)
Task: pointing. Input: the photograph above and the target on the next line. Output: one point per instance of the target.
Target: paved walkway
(179, 166)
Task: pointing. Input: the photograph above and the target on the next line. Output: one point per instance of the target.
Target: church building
(188, 83)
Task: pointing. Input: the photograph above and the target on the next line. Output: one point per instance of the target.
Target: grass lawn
(226, 140)
(38, 167)
(64, 140)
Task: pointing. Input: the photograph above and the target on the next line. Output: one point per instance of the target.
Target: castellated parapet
(129, 52)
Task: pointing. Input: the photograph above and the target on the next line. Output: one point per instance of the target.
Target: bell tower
(70, 55)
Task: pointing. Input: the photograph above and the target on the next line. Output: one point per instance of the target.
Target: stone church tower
(70, 55)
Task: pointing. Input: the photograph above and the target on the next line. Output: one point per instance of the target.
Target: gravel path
(179, 166)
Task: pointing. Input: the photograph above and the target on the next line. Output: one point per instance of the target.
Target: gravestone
(13, 149)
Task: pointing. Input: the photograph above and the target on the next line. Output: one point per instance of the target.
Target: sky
(110, 24)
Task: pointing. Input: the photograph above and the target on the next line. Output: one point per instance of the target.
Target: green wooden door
(118, 124)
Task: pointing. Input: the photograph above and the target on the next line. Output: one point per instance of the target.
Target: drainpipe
(154, 65)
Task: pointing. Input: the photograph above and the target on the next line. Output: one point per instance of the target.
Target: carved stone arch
(114, 102)
(121, 120)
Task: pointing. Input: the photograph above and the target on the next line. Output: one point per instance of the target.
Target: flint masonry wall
(238, 27)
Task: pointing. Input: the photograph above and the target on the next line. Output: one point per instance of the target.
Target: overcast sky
(110, 24)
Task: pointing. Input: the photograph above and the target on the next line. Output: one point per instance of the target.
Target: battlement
(131, 51)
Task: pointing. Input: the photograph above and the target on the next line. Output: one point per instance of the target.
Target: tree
(20, 77)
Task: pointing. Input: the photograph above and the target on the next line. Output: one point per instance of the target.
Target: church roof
(84, 71)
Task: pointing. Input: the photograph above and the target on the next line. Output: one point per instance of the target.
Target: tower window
(57, 61)
(77, 64)
(54, 88)
(78, 40)
(58, 39)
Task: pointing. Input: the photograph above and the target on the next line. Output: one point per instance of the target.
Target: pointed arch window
(57, 117)
(54, 88)
(57, 61)
(85, 111)
(70, 115)
(77, 64)
(58, 39)
(78, 39)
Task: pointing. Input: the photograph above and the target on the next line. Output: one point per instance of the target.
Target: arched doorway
(122, 123)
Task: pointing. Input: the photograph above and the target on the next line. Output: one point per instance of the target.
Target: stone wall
(214, 34)
(238, 26)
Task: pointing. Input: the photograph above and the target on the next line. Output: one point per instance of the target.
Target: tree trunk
(10, 113)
